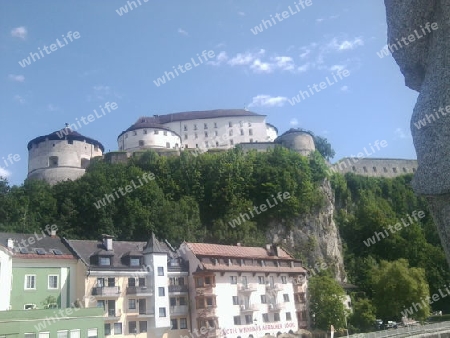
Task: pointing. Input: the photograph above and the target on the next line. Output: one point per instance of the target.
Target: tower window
(215, 124)
(156, 132)
(185, 128)
(230, 124)
(84, 163)
(135, 133)
(70, 141)
(145, 131)
(206, 134)
(167, 145)
(242, 131)
(374, 169)
(96, 147)
(141, 143)
(394, 170)
(165, 133)
(206, 126)
(53, 161)
(250, 132)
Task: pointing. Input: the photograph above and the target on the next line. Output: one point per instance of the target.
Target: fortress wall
(375, 167)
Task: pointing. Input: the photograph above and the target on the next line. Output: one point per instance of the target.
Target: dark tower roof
(65, 134)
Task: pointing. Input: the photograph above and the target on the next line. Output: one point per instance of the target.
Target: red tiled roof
(204, 249)
(252, 268)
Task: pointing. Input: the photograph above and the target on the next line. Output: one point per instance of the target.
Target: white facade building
(243, 291)
(61, 155)
(5, 276)
(197, 129)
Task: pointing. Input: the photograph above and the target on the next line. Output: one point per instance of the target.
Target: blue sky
(116, 58)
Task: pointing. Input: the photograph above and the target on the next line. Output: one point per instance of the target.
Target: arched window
(53, 161)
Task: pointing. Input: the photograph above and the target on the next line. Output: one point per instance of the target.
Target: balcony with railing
(106, 291)
(178, 310)
(249, 287)
(140, 290)
(276, 307)
(145, 313)
(249, 308)
(113, 314)
(274, 287)
(178, 288)
(207, 312)
(206, 289)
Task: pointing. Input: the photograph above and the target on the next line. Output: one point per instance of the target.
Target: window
(195, 127)
(162, 311)
(235, 300)
(404, 170)
(215, 124)
(206, 144)
(101, 304)
(374, 169)
(53, 161)
(30, 282)
(276, 317)
(70, 141)
(288, 316)
(283, 279)
(132, 304)
(217, 143)
(250, 132)
(230, 124)
(185, 128)
(156, 132)
(249, 124)
(29, 335)
(209, 301)
(104, 261)
(126, 135)
(251, 140)
(160, 271)
(143, 326)
(230, 132)
(135, 261)
(53, 282)
(131, 281)
(216, 133)
(165, 133)
(261, 279)
(195, 135)
(263, 299)
(132, 327)
(237, 320)
(183, 301)
(185, 136)
(385, 169)
(107, 329)
(248, 319)
(265, 317)
(286, 297)
(231, 142)
(167, 144)
(233, 279)
(111, 281)
(173, 301)
(174, 324)
(141, 143)
(117, 328)
(199, 282)
(206, 126)
(394, 170)
(145, 131)
(161, 292)
(414, 170)
(183, 323)
(74, 333)
(365, 169)
(241, 124)
(206, 134)
(134, 133)
(242, 131)
(44, 334)
(92, 333)
(62, 334)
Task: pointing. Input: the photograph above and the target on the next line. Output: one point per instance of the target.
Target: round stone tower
(147, 133)
(299, 140)
(61, 155)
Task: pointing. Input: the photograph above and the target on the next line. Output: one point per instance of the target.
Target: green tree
(327, 302)
(324, 147)
(363, 315)
(398, 287)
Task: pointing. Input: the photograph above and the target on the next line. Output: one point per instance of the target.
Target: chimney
(53, 233)
(275, 249)
(268, 248)
(238, 244)
(10, 243)
(108, 242)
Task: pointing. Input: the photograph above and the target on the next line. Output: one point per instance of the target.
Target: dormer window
(135, 261)
(104, 261)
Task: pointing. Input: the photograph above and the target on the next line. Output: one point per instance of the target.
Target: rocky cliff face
(315, 237)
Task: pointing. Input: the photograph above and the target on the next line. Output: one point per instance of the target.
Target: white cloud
(261, 67)
(337, 68)
(51, 107)
(268, 101)
(19, 99)
(304, 68)
(337, 45)
(241, 13)
(400, 133)
(293, 122)
(16, 78)
(284, 62)
(4, 173)
(220, 58)
(319, 20)
(102, 92)
(183, 32)
(344, 88)
(19, 32)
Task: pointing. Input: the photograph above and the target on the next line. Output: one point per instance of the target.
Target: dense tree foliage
(193, 198)
(363, 315)
(326, 300)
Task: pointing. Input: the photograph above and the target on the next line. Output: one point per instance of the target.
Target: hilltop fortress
(65, 154)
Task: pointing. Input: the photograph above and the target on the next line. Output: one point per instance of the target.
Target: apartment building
(239, 292)
(130, 281)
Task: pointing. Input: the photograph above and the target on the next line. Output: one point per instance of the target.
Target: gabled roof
(43, 246)
(217, 250)
(155, 246)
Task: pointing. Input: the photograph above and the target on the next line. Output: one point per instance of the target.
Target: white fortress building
(61, 155)
(222, 128)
